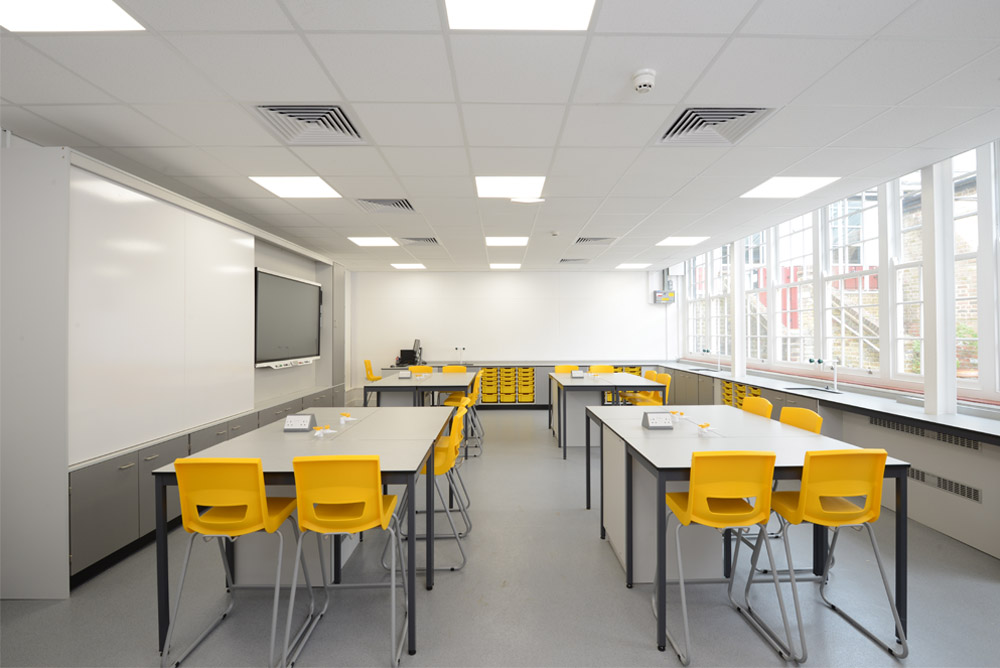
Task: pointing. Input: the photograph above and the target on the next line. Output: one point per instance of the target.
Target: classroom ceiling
(862, 90)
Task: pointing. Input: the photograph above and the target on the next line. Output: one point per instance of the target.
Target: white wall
(501, 316)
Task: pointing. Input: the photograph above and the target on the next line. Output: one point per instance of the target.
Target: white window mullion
(820, 269)
(989, 267)
(940, 384)
(737, 308)
(886, 277)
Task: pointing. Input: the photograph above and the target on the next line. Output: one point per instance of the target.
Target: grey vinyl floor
(540, 589)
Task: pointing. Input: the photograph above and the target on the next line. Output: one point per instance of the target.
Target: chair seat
(735, 508)
(785, 503)
(645, 401)
(454, 398)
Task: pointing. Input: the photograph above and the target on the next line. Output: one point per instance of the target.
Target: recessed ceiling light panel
(506, 241)
(65, 16)
(373, 241)
(789, 187)
(304, 187)
(633, 265)
(682, 241)
(510, 187)
(409, 266)
(519, 14)
(502, 265)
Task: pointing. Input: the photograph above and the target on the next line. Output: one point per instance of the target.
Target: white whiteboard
(161, 318)
(507, 316)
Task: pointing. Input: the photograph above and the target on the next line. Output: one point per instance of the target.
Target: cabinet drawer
(320, 399)
(209, 436)
(103, 509)
(242, 425)
(150, 459)
(269, 415)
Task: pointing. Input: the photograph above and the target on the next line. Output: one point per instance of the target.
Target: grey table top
(428, 381)
(604, 380)
(728, 429)
(401, 437)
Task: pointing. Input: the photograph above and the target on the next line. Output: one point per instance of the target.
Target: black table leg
(430, 520)
(162, 569)
(586, 427)
(628, 519)
(562, 419)
(661, 562)
(411, 562)
(600, 457)
(901, 556)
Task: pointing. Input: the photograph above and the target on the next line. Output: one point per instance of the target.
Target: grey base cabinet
(152, 458)
(103, 513)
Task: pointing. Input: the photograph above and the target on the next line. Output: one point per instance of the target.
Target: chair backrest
(453, 368)
(830, 475)
(222, 496)
(339, 493)
(453, 441)
(803, 418)
(476, 384)
(421, 369)
(566, 368)
(758, 406)
(664, 378)
(601, 368)
(369, 374)
(721, 482)
(650, 374)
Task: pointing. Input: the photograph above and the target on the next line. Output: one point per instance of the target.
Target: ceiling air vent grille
(310, 125)
(594, 241)
(573, 260)
(713, 126)
(420, 241)
(386, 205)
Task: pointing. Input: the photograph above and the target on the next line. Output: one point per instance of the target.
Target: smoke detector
(643, 81)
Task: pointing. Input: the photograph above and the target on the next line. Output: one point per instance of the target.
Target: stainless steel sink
(815, 389)
(712, 370)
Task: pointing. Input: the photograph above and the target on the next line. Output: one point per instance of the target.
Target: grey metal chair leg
(905, 650)
(312, 619)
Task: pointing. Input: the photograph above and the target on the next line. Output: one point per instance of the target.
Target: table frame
(419, 386)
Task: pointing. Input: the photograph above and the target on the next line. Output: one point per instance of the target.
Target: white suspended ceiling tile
(667, 165)
(630, 205)
(370, 15)
(178, 161)
(578, 186)
(615, 125)
(439, 186)
(671, 16)
(971, 134)
(217, 15)
(261, 68)
(343, 160)
(658, 229)
(837, 161)
(839, 18)
(755, 161)
(420, 161)
(450, 208)
(273, 210)
(319, 206)
(31, 78)
(903, 127)
(311, 232)
(41, 131)
(535, 68)
(976, 84)
(611, 61)
(371, 187)
(133, 67)
(569, 206)
(717, 188)
(813, 126)
(954, 18)
(885, 72)
(512, 124)
(387, 67)
(607, 162)
(767, 71)
(260, 160)
(225, 187)
(510, 161)
(410, 124)
(209, 124)
(108, 125)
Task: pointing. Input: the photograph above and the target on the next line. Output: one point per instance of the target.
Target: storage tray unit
(508, 385)
(734, 393)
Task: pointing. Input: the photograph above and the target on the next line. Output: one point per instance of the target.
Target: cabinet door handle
(150, 458)
(289, 409)
(220, 433)
(126, 466)
(235, 427)
(278, 412)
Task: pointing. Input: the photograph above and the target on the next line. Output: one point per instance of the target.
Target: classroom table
(419, 384)
(589, 390)
(666, 454)
(402, 437)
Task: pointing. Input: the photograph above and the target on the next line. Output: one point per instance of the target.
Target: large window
(795, 327)
(755, 283)
(851, 314)
(697, 304)
(965, 208)
(720, 293)
(908, 268)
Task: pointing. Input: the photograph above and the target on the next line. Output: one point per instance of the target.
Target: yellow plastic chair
(601, 368)
(803, 418)
(453, 368)
(224, 498)
(727, 490)
(343, 495)
(476, 426)
(655, 397)
(421, 369)
(446, 450)
(758, 406)
(566, 368)
(369, 374)
(649, 375)
(832, 480)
